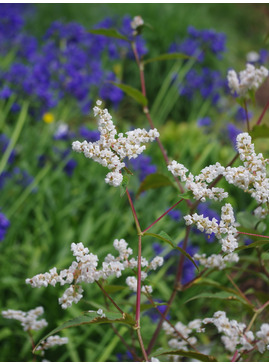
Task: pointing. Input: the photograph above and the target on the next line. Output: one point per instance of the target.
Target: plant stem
(134, 212)
(263, 113)
(146, 110)
(170, 323)
(234, 356)
(239, 290)
(171, 208)
(138, 290)
(260, 236)
(246, 110)
(145, 355)
(110, 299)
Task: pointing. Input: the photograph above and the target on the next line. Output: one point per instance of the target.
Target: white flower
(52, 341)
(112, 148)
(216, 260)
(249, 79)
(28, 319)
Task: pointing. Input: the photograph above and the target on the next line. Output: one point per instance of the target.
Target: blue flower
(89, 135)
(233, 131)
(206, 121)
(4, 224)
(143, 165)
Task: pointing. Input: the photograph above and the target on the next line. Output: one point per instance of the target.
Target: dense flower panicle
(252, 176)
(216, 260)
(28, 319)
(235, 335)
(85, 269)
(112, 148)
(199, 184)
(249, 79)
(226, 227)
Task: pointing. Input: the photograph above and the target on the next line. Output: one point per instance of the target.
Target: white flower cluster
(249, 79)
(84, 269)
(252, 176)
(28, 319)
(112, 148)
(233, 332)
(52, 341)
(199, 184)
(226, 227)
(235, 335)
(181, 343)
(263, 335)
(216, 260)
(153, 265)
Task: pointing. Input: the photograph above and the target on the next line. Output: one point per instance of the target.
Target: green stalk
(28, 190)
(15, 136)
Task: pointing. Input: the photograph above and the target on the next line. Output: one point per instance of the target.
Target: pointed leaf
(186, 195)
(259, 131)
(252, 245)
(167, 56)
(220, 296)
(133, 92)
(166, 238)
(154, 180)
(92, 318)
(108, 33)
(186, 354)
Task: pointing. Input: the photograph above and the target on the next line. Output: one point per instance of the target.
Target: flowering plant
(244, 337)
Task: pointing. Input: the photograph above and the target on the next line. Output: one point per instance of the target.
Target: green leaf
(154, 180)
(92, 318)
(247, 219)
(167, 56)
(124, 184)
(110, 288)
(186, 354)
(259, 131)
(211, 282)
(167, 239)
(108, 33)
(132, 92)
(219, 296)
(186, 195)
(252, 245)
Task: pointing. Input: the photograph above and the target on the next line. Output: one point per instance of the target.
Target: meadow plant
(243, 338)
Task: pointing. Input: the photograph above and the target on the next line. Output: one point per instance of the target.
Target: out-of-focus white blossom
(28, 319)
(252, 57)
(52, 341)
(216, 260)
(112, 148)
(249, 79)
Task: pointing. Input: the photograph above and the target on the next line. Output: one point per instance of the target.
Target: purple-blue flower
(4, 224)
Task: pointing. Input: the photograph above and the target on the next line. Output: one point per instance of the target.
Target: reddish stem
(171, 208)
(234, 356)
(138, 292)
(262, 114)
(260, 236)
(134, 212)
